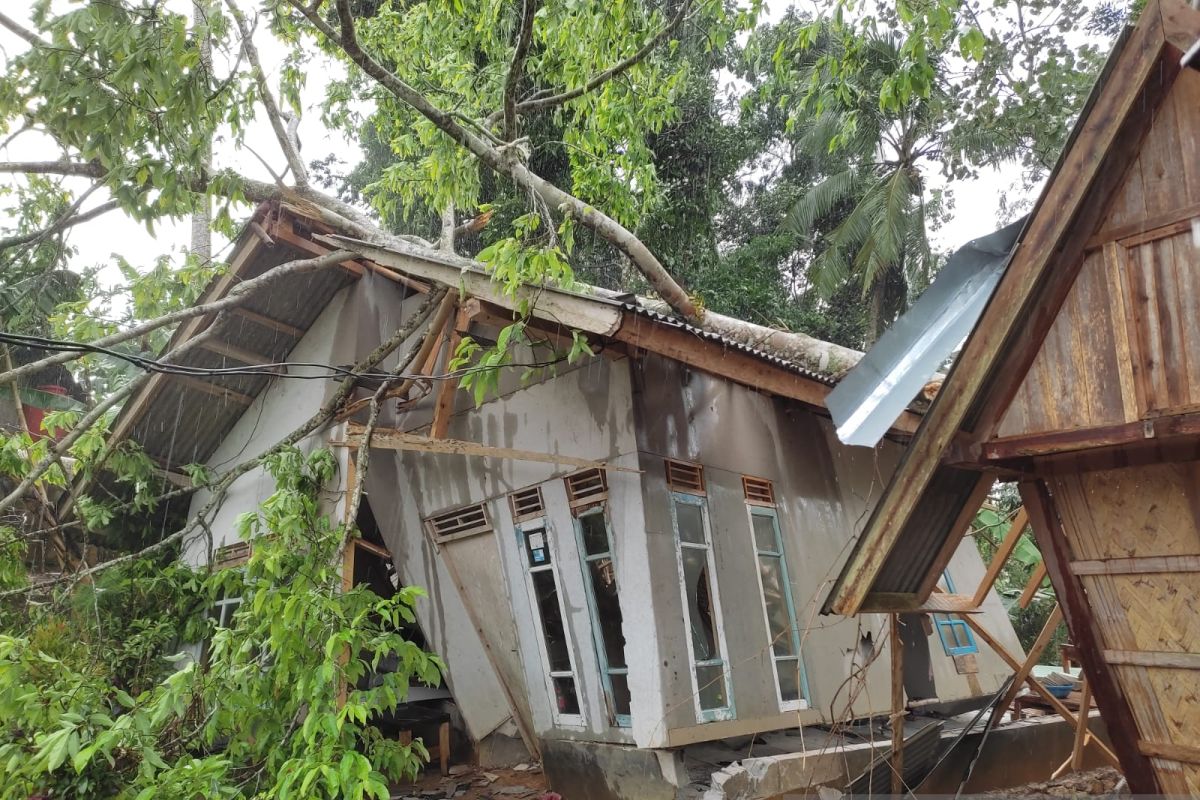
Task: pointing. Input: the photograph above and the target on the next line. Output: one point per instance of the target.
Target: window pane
(620, 692)
(691, 522)
(779, 621)
(536, 547)
(546, 592)
(789, 679)
(564, 695)
(711, 681)
(961, 637)
(595, 535)
(764, 533)
(608, 610)
(700, 610)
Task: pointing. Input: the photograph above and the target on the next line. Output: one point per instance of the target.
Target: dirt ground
(1094, 783)
(523, 782)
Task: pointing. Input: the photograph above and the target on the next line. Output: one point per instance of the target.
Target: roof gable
(912, 529)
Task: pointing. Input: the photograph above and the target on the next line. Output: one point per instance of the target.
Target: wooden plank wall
(1126, 344)
(1134, 543)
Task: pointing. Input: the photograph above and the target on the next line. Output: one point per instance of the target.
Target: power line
(271, 370)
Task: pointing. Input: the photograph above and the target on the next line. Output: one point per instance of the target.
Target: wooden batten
(940, 603)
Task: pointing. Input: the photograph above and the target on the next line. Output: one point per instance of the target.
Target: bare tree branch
(511, 84)
(508, 163)
(286, 142)
(29, 36)
(239, 295)
(69, 219)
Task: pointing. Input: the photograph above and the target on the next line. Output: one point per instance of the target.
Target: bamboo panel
(1131, 512)
(1161, 611)
(1151, 724)
(1108, 612)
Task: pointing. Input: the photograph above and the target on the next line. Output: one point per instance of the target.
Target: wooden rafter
(1035, 684)
(1000, 557)
(1039, 644)
(233, 351)
(281, 230)
(1031, 588)
(443, 404)
(291, 331)
(213, 389)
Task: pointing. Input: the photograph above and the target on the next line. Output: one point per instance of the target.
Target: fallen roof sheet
(873, 394)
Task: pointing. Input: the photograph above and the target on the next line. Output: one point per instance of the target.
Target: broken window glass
(601, 577)
(543, 584)
(777, 605)
(702, 608)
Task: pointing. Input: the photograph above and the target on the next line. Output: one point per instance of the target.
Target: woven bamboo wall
(1146, 610)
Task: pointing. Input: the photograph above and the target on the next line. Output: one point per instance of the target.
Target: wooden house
(623, 556)
(1081, 380)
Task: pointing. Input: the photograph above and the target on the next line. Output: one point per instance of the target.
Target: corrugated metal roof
(667, 319)
(879, 388)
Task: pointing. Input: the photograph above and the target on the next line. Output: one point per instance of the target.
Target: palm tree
(865, 217)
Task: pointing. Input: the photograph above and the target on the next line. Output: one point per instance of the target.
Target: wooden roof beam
(268, 322)
(232, 351)
(212, 389)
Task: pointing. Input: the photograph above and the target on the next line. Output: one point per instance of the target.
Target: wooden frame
(1026, 301)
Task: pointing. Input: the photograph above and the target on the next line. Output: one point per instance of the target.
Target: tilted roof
(181, 420)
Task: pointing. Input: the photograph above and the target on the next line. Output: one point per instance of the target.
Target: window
(776, 593)
(221, 614)
(955, 634)
(595, 548)
(541, 574)
(699, 592)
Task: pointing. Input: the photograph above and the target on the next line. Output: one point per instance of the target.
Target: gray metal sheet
(870, 398)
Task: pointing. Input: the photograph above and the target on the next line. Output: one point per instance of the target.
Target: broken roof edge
(1164, 24)
(806, 355)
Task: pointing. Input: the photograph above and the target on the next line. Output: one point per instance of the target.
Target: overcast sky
(976, 209)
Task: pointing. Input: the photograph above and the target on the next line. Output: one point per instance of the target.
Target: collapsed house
(624, 556)
(1080, 381)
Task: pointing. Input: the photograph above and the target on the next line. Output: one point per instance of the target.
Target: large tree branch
(507, 163)
(20, 30)
(286, 143)
(239, 295)
(512, 82)
(69, 219)
(548, 98)
(313, 424)
(83, 169)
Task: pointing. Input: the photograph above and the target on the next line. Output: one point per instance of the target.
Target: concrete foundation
(1016, 754)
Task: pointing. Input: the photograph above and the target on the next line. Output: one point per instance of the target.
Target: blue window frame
(780, 612)
(955, 634)
(701, 607)
(599, 569)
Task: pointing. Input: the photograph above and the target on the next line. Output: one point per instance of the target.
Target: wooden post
(443, 406)
(1118, 716)
(897, 761)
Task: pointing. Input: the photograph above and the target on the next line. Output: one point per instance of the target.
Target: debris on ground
(1104, 782)
(466, 782)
